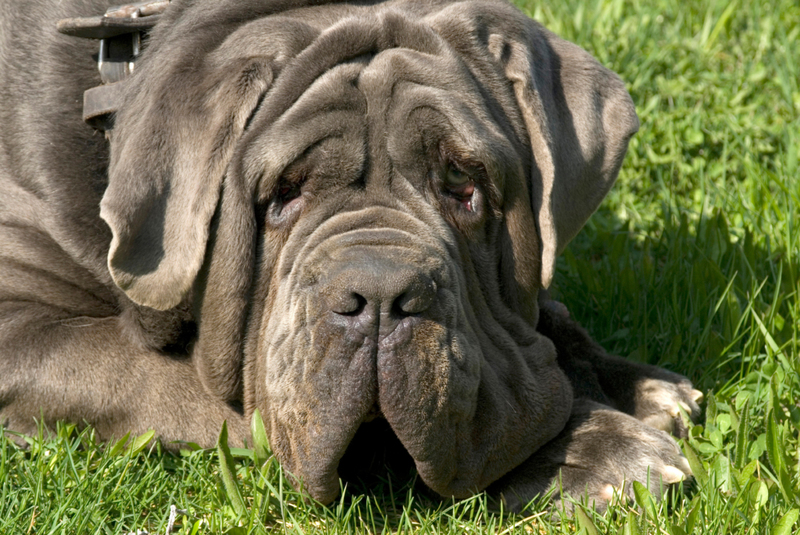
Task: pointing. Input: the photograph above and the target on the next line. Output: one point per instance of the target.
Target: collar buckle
(120, 31)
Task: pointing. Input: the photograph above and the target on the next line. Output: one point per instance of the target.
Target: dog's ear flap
(579, 118)
(172, 142)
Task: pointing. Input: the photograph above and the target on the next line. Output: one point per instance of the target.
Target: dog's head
(363, 203)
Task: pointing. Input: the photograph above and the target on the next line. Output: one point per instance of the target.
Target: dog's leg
(649, 393)
(86, 370)
(598, 455)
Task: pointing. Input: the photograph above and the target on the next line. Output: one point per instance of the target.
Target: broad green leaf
(695, 464)
(762, 494)
(742, 436)
(746, 473)
(644, 499)
(118, 445)
(584, 521)
(716, 439)
(189, 447)
(774, 399)
(785, 481)
(242, 453)
(691, 518)
(140, 442)
(260, 440)
(711, 408)
(758, 447)
(767, 336)
(65, 430)
(786, 523)
(694, 137)
(774, 446)
(722, 473)
(724, 423)
(632, 524)
(675, 529)
(228, 471)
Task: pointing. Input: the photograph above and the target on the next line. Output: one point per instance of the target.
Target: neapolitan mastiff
(342, 215)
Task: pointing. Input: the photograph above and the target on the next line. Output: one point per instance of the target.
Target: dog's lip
(318, 470)
(374, 413)
(402, 334)
(365, 328)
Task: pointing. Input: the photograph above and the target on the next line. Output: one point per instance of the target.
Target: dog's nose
(377, 291)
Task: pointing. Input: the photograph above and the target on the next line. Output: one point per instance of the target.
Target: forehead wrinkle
(348, 39)
(395, 65)
(391, 68)
(399, 33)
(331, 107)
(360, 33)
(442, 82)
(470, 127)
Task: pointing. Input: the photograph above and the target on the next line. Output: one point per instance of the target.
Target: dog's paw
(596, 458)
(653, 395)
(659, 401)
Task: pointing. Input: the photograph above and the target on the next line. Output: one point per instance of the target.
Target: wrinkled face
(363, 203)
(383, 243)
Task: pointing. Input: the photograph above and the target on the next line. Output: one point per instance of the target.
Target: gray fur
(169, 280)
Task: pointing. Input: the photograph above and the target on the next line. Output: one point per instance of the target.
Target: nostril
(350, 304)
(417, 298)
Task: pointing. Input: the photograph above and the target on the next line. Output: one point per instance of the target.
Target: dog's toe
(673, 474)
(660, 402)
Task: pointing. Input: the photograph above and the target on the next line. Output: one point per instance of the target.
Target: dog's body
(334, 214)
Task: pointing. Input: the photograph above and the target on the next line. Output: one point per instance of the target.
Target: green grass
(701, 244)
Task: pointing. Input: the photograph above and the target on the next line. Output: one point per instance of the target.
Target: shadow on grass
(692, 296)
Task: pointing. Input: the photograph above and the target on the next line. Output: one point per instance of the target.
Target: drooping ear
(172, 142)
(579, 118)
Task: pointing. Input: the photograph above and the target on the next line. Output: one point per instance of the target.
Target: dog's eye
(459, 185)
(285, 203)
(288, 192)
(456, 177)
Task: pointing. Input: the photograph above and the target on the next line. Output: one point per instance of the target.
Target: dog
(344, 215)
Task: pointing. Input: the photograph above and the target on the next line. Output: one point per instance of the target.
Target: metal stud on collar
(120, 31)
